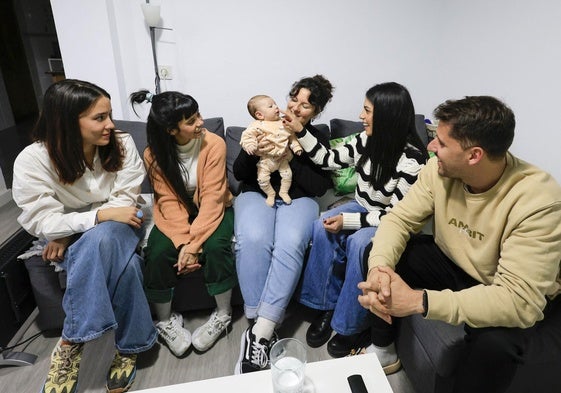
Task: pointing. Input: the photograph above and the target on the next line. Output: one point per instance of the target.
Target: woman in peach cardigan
(193, 217)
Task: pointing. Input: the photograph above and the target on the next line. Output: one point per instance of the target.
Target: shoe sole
(392, 368)
(238, 367)
(125, 389)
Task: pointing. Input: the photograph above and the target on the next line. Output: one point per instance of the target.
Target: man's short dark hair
(482, 121)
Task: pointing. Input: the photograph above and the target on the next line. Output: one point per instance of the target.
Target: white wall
(222, 52)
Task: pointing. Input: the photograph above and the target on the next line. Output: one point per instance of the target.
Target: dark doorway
(14, 66)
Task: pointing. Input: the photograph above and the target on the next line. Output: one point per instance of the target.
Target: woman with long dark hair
(78, 186)
(388, 156)
(193, 217)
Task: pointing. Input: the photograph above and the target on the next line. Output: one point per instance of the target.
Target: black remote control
(357, 384)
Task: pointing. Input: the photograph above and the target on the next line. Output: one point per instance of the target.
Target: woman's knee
(111, 232)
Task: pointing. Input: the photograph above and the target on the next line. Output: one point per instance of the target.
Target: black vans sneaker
(254, 356)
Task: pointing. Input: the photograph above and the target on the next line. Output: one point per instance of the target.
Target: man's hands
(385, 294)
(187, 262)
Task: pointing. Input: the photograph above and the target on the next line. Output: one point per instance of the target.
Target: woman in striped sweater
(388, 156)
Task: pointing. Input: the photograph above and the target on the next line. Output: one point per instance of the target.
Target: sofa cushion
(443, 343)
(345, 179)
(215, 125)
(429, 351)
(341, 128)
(137, 129)
(233, 136)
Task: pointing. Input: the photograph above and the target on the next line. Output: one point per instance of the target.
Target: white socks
(386, 355)
(263, 328)
(162, 310)
(223, 303)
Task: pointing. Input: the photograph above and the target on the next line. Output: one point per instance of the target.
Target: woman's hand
(54, 250)
(264, 146)
(333, 224)
(291, 122)
(187, 262)
(126, 215)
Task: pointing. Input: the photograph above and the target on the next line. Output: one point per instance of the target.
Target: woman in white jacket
(77, 185)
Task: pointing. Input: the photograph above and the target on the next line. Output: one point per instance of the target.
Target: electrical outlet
(164, 71)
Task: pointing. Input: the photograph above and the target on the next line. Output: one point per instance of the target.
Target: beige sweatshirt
(508, 238)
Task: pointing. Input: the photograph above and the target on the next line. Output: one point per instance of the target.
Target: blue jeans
(104, 289)
(270, 246)
(333, 271)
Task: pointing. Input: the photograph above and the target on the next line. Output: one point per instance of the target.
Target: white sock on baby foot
(387, 357)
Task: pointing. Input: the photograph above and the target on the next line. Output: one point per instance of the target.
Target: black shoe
(340, 346)
(320, 330)
(254, 355)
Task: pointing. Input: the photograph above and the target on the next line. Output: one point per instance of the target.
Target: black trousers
(493, 354)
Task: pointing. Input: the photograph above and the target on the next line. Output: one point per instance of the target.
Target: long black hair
(393, 127)
(168, 109)
(58, 127)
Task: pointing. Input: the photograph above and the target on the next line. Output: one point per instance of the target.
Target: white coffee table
(327, 376)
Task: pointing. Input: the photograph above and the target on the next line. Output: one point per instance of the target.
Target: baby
(269, 124)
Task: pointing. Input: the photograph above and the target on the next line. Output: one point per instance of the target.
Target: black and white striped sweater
(377, 202)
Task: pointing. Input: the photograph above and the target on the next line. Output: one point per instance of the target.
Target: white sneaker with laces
(177, 338)
(206, 335)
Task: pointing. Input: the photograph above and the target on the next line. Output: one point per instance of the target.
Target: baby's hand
(298, 152)
(250, 149)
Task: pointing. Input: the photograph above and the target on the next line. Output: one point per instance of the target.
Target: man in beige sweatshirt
(493, 262)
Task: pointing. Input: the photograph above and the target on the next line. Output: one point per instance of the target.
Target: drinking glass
(288, 360)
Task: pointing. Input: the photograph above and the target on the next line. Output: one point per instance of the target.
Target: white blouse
(52, 210)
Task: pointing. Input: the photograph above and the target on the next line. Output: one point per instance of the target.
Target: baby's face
(269, 109)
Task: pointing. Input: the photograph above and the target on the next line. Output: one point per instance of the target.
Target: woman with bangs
(193, 217)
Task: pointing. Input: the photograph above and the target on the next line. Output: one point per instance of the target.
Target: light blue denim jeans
(333, 271)
(270, 246)
(104, 289)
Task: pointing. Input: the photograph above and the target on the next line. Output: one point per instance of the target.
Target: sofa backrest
(341, 128)
(137, 129)
(336, 129)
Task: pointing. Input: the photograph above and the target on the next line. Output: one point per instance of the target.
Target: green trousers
(217, 260)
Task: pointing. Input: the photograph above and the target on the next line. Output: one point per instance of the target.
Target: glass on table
(288, 360)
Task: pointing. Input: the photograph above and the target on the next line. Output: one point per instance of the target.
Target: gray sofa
(190, 293)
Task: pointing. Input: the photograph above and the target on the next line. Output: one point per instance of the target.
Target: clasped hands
(187, 262)
(386, 295)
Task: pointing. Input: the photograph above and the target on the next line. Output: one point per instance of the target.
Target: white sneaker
(206, 335)
(175, 336)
